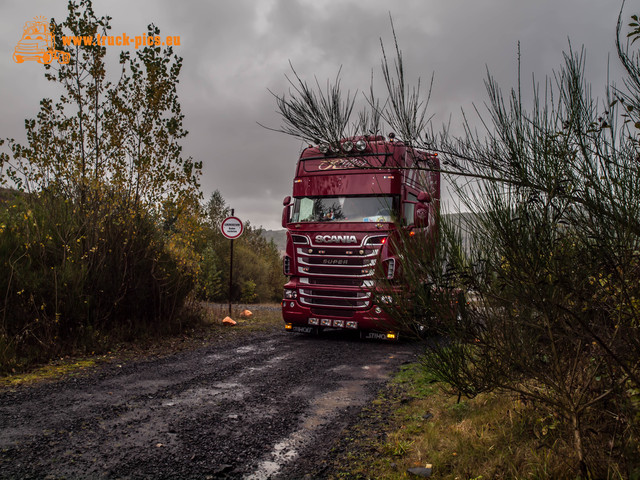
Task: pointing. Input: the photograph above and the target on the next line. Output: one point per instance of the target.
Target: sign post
(232, 228)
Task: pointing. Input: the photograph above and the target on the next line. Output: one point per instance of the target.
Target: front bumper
(374, 319)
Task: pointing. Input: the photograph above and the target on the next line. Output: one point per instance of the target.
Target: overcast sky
(234, 51)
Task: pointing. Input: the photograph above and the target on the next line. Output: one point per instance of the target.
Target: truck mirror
(420, 215)
(424, 197)
(286, 213)
(286, 201)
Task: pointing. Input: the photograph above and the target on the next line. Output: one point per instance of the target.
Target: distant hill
(7, 194)
(279, 237)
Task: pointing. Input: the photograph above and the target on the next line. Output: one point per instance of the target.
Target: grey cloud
(235, 50)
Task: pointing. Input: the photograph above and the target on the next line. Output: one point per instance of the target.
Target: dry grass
(54, 370)
(493, 436)
(264, 316)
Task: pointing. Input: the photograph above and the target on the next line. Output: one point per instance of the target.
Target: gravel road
(268, 405)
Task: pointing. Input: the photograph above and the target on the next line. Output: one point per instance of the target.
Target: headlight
(347, 146)
(290, 294)
(386, 299)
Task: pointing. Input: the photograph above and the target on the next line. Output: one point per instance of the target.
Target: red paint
(340, 240)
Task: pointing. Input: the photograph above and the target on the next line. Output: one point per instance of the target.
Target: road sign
(232, 227)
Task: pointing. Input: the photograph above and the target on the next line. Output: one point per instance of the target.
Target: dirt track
(263, 406)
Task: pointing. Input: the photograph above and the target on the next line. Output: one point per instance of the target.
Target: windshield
(345, 209)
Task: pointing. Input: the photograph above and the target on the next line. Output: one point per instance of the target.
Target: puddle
(217, 391)
(246, 349)
(282, 453)
(215, 358)
(322, 411)
(342, 368)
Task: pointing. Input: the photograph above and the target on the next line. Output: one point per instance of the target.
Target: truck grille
(339, 278)
(327, 312)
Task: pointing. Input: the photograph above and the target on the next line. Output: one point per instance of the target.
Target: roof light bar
(361, 145)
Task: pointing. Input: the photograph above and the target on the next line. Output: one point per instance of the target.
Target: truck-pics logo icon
(37, 44)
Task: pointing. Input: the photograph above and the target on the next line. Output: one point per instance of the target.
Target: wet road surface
(260, 407)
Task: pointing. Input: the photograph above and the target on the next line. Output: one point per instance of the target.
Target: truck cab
(349, 202)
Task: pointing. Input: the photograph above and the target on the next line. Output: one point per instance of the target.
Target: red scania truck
(349, 200)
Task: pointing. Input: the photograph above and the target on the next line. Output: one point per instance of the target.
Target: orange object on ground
(246, 314)
(228, 321)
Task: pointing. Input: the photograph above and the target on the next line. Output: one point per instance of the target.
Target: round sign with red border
(232, 227)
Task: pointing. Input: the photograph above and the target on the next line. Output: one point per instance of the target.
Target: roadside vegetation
(415, 422)
(535, 294)
(202, 330)
(104, 234)
(257, 273)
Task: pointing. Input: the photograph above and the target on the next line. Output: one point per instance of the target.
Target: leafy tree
(217, 210)
(210, 280)
(106, 240)
(257, 273)
(123, 134)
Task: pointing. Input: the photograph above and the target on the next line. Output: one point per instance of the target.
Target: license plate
(375, 336)
(298, 329)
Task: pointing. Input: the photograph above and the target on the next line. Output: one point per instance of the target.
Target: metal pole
(231, 269)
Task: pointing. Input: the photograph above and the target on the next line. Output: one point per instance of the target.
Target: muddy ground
(267, 405)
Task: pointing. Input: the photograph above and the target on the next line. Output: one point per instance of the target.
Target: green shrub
(77, 274)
